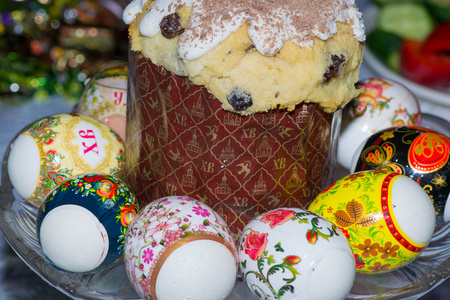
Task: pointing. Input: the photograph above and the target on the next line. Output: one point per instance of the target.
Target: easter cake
(252, 55)
(232, 102)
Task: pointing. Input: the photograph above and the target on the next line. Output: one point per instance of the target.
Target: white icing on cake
(270, 23)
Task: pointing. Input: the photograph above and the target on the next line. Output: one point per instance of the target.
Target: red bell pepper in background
(438, 42)
(428, 62)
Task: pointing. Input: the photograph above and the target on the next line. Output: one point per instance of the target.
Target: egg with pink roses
(291, 253)
(180, 248)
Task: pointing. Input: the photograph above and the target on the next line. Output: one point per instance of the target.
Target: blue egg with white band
(82, 223)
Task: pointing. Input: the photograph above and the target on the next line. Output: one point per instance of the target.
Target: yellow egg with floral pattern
(387, 218)
(58, 147)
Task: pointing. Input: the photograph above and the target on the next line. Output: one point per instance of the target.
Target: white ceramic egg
(383, 103)
(290, 253)
(105, 98)
(58, 147)
(179, 248)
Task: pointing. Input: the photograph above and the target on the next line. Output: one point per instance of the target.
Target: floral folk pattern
(159, 226)
(372, 99)
(108, 190)
(421, 154)
(51, 174)
(362, 217)
(42, 131)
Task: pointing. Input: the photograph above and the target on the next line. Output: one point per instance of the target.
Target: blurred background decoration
(52, 46)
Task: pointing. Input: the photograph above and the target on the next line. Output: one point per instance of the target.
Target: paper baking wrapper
(181, 142)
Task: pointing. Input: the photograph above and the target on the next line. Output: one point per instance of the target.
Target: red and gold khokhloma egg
(429, 152)
(419, 153)
(387, 218)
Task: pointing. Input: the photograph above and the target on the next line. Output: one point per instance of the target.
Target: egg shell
(419, 153)
(105, 98)
(82, 223)
(387, 217)
(383, 103)
(180, 248)
(291, 253)
(58, 147)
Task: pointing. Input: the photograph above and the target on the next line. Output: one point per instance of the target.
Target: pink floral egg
(382, 103)
(180, 248)
(105, 98)
(290, 253)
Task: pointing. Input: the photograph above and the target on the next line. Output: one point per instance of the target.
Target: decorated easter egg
(419, 153)
(179, 248)
(291, 253)
(82, 223)
(382, 103)
(105, 98)
(387, 217)
(60, 146)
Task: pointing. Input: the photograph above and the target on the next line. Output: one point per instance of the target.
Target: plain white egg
(73, 238)
(196, 259)
(24, 155)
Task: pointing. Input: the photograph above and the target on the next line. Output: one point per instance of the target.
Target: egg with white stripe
(387, 218)
(81, 225)
(58, 147)
(179, 248)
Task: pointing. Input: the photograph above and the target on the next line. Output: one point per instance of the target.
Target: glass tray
(17, 223)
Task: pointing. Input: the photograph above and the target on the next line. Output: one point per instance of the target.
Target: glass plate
(17, 222)
(441, 97)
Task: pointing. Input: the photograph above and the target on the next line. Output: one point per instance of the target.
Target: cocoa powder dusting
(305, 15)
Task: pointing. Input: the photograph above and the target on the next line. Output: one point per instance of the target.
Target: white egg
(382, 104)
(202, 269)
(413, 211)
(290, 253)
(74, 239)
(179, 248)
(24, 165)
